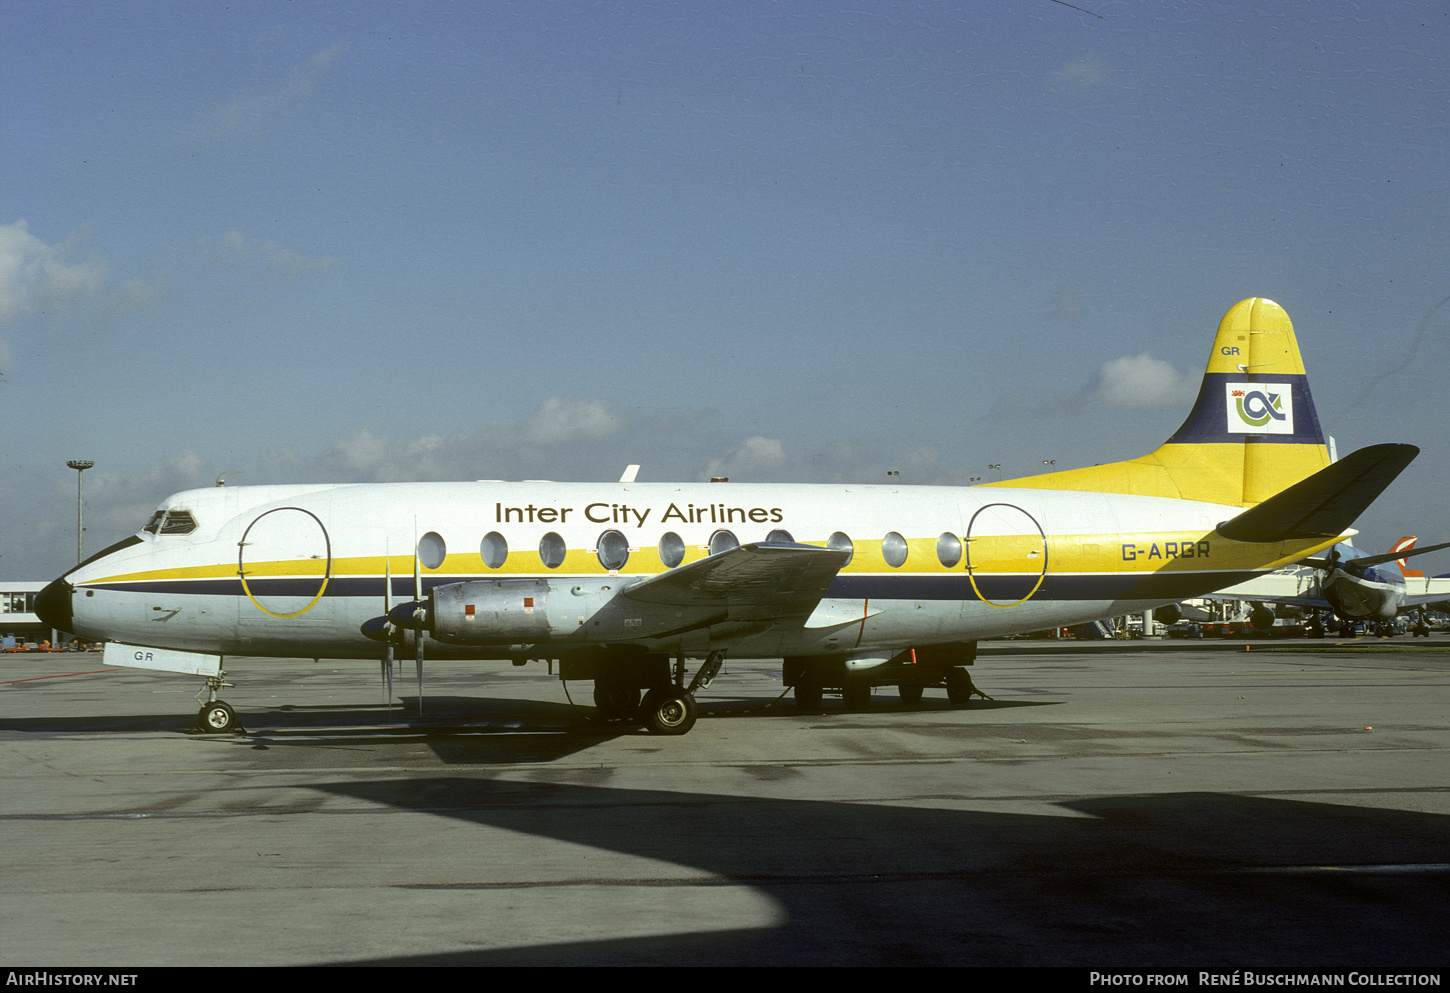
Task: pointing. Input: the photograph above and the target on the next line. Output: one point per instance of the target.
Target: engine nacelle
(490, 611)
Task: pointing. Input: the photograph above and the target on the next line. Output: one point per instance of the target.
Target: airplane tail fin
(1252, 433)
(1405, 544)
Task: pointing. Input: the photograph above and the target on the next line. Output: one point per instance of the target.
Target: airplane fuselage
(299, 570)
(1369, 593)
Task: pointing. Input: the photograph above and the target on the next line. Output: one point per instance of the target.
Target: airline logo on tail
(1259, 408)
(1404, 545)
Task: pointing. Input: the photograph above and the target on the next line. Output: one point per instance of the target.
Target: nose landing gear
(215, 716)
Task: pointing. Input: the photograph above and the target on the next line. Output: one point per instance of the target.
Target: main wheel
(616, 702)
(910, 693)
(808, 691)
(217, 717)
(668, 711)
(959, 685)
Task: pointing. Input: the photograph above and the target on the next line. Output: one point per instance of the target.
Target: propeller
(421, 615)
(388, 640)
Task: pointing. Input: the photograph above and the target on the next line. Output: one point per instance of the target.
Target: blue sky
(794, 242)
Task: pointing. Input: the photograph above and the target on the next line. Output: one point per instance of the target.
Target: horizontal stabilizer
(1365, 561)
(763, 572)
(1325, 503)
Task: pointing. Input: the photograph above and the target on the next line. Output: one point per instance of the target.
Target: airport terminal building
(19, 627)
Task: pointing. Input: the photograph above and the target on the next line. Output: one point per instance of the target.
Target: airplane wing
(1308, 602)
(1423, 591)
(1293, 586)
(775, 578)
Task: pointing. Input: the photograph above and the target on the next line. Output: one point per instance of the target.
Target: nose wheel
(216, 717)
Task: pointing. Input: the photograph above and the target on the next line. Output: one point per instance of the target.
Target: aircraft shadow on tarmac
(476, 729)
(1173, 880)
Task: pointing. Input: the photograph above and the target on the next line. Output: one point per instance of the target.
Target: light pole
(80, 466)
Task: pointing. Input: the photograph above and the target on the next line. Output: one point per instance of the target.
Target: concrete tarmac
(1153, 804)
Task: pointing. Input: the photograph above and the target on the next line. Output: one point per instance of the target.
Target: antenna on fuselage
(630, 471)
(222, 479)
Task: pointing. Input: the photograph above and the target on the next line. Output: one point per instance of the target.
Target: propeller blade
(420, 614)
(387, 661)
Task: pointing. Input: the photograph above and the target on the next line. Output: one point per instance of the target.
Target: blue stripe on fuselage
(908, 586)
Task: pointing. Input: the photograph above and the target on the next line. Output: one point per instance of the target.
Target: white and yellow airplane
(853, 586)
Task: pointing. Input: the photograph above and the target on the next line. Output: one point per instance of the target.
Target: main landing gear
(215, 716)
(911, 672)
(668, 706)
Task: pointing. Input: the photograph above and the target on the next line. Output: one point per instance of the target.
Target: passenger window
(495, 550)
(893, 550)
(432, 550)
(672, 549)
(841, 542)
(723, 541)
(949, 549)
(613, 550)
(551, 550)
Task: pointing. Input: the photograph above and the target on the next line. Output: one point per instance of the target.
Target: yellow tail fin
(1252, 433)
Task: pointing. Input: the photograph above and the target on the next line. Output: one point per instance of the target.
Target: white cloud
(1139, 381)
(557, 421)
(248, 115)
(1086, 72)
(35, 276)
(269, 259)
(754, 457)
(502, 448)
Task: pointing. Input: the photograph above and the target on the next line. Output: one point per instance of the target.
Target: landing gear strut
(215, 716)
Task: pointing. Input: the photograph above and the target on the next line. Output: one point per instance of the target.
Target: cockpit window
(154, 523)
(177, 522)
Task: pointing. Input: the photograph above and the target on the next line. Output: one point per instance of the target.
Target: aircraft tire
(616, 702)
(959, 685)
(670, 711)
(856, 695)
(910, 693)
(217, 717)
(808, 691)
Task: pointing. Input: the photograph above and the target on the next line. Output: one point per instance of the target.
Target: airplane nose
(52, 605)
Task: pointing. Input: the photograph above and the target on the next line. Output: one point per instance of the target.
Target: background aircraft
(1353, 585)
